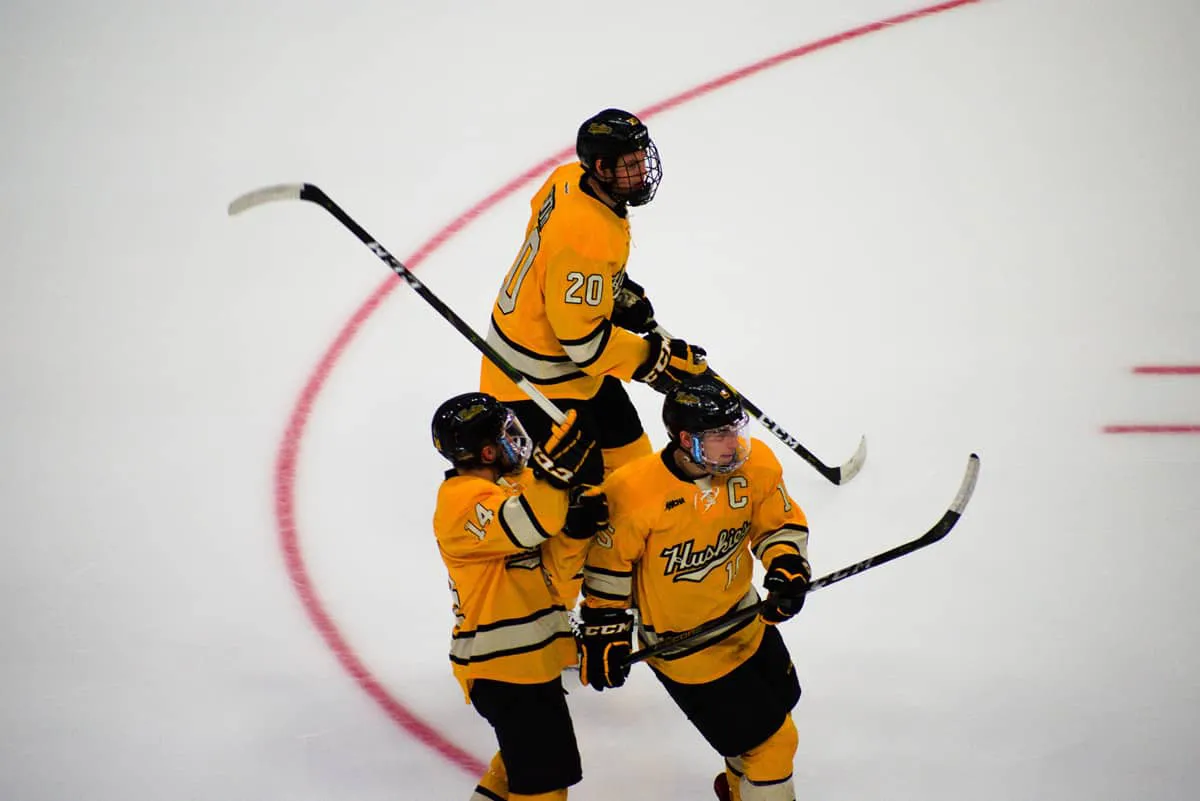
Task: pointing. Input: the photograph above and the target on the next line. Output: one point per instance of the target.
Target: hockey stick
(314, 194)
(837, 475)
(939, 530)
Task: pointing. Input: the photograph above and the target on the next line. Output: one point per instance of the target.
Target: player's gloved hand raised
(669, 362)
(605, 642)
(632, 310)
(558, 459)
(786, 584)
(587, 512)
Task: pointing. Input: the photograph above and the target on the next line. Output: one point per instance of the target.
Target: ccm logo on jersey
(685, 563)
(671, 504)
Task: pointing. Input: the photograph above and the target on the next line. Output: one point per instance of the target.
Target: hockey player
(684, 522)
(506, 533)
(566, 314)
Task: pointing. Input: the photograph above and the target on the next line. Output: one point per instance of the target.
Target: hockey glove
(669, 362)
(558, 459)
(786, 584)
(605, 642)
(632, 310)
(587, 512)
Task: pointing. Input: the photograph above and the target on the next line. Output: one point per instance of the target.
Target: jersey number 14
(483, 516)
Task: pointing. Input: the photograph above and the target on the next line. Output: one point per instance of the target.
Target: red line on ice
(1159, 369)
(1171, 428)
(289, 449)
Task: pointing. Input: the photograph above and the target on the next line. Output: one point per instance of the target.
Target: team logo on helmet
(471, 412)
(599, 128)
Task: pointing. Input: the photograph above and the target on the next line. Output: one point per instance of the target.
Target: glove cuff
(792, 564)
(656, 361)
(604, 617)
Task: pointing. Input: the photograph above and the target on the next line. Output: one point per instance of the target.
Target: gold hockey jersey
(679, 548)
(551, 318)
(501, 546)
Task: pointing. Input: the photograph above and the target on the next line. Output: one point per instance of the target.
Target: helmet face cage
(722, 449)
(514, 444)
(617, 142)
(635, 176)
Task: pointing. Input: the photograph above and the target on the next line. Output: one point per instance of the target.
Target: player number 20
(592, 286)
(507, 301)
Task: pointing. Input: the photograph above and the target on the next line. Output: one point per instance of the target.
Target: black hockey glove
(786, 584)
(558, 459)
(605, 642)
(587, 512)
(632, 310)
(669, 362)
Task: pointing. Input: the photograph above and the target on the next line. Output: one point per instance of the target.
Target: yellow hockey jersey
(551, 318)
(500, 544)
(678, 550)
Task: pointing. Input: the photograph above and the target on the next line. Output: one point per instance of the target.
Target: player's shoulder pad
(762, 460)
(632, 476)
(459, 494)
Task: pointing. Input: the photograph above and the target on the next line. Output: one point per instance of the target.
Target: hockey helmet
(464, 424)
(607, 137)
(712, 416)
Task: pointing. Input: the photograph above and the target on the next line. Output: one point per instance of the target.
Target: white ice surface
(957, 234)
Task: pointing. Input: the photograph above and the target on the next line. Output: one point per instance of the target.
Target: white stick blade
(968, 484)
(267, 194)
(855, 463)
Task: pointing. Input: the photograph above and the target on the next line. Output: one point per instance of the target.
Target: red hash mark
(1171, 428)
(1152, 429)
(1181, 369)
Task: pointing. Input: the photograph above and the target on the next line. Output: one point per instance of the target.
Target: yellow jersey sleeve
(580, 280)
(479, 519)
(779, 524)
(615, 552)
(562, 559)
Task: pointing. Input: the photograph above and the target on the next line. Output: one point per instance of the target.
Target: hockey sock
(767, 768)
(493, 786)
(733, 778)
(553, 795)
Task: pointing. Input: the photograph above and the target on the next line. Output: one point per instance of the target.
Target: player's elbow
(587, 352)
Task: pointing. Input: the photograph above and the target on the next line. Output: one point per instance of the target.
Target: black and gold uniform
(686, 524)
(566, 315)
(495, 538)
(683, 548)
(552, 317)
(508, 536)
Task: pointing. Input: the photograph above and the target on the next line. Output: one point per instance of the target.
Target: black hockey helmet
(711, 413)
(606, 137)
(464, 424)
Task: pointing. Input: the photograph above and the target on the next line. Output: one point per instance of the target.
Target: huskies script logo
(685, 563)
